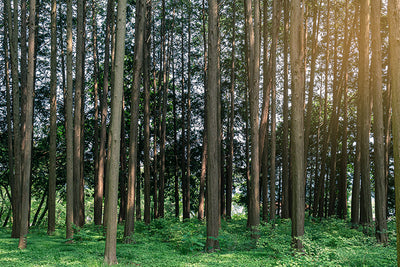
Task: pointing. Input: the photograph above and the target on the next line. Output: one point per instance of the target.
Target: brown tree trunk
(205, 141)
(51, 224)
(297, 123)
(275, 31)
(26, 145)
(213, 116)
(379, 142)
(285, 137)
(78, 146)
(133, 143)
(146, 77)
(254, 55)
(123, 183)
(365, 119)
(110, 256)
(394, 52)
(68, 99)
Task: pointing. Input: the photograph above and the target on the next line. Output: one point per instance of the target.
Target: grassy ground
(171, 243)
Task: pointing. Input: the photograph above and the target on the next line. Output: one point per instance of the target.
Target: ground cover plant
(168, 242)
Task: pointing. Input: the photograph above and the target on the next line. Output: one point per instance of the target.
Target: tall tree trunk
(186, 204)
(297, 123)
(176, 179)
(79, 84)
(267, 84)
(394, 52)
(320, 180)
(229, 176)
(110, 256)
(68, 99)
(122, 185)
(275, 31)
(379, 143)
(146, 77)
(53, 122)
(205, 140)
(163, 122)
(8, 100)
(26, 145)
(254, 55)
(96, 100)
(213, 116)
(133, 145)
(99, 187)
(342, 181)
(183, 136)
(285, 137)
(365, 119)
(16, 193)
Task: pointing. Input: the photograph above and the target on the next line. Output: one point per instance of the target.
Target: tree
(213, 116)
(69, 127)
(365, 119)
(133, 147)
(26, 145)
(254, 56)
(394, 52)
(297, 124)
(379, 143)
(110, 256)
(79, 217)
(53, 122)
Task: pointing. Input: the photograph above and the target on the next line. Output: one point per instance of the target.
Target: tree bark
(53, 123)
(285, 137)
(68, 99)
(379, 143)
(297, 123)
(146, 77)
(213, 168)
(110, 257)
(26, 145)
(133, 146)
(205, 139)
(394, 52)
(365, 119)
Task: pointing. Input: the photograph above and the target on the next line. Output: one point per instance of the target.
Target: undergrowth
(168, 242)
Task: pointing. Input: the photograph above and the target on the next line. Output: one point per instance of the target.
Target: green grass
(167, 242)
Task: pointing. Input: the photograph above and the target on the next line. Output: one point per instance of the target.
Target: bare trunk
(115, 132)
(297, 123)
(379, 143)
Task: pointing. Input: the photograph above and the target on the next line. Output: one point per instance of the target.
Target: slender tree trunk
(146, 77)
(133, 145)
(379, 143)
(394, 52)
(275, 31)
(123, 183)
(297, 123)
(7, 37)
(267, 84)
(68, 99)
(205, 140)
(53, 122)
(78, 205)
(115, 131)
(16, 194)
(99, 187)
(342, 182)
(176, 166)
(96, 106)
(285, 141)
(213, 116)
(26, 145)
(229, 176)
(365, 120)
(254, 55)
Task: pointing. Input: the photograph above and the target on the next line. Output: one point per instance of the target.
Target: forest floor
(167, 242)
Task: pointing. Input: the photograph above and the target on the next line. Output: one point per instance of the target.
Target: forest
(194, 132)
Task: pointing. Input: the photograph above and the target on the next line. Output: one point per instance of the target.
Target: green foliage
(169, 242)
